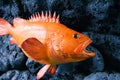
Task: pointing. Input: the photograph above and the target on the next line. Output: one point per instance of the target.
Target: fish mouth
(81, 49)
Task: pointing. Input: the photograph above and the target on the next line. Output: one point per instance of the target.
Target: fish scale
(44, 39)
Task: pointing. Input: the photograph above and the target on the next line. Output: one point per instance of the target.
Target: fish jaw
(81, 49)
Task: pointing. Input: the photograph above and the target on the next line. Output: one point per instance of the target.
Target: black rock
(103, 76)
(33, 66)
(96, 63)
(21, 8)
(9, 9)
(72, 13)
(67, 72)
(78, 77)
(114, 76)
(62, 77)
(90, 65)
(17, 75)
(109, 25)
(109, 46)
(4, 64)
(104, 16)
(30, 6)
(113, 26)
(11, 57)
(66, 68)
(99, 9)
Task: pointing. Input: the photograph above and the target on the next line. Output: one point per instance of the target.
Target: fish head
(74, 45)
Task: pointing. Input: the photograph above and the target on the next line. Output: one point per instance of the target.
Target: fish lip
(88, 53)
(82, 50)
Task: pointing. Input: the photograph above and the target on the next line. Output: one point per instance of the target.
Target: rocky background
(99, 19)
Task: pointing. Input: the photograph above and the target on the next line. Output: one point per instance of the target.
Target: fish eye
(75, 35)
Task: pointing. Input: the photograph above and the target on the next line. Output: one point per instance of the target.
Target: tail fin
(4, 27)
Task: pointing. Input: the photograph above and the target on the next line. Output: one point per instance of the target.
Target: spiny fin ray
(47, 17)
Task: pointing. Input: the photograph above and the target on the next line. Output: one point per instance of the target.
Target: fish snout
(81, 49)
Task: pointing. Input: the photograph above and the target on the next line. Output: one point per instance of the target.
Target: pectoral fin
(34, 49)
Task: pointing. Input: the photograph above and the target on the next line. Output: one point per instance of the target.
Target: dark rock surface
(99, 9)
(17, 75)
(109, 46)
(94, 64)
(99, 19)
(11, 57)
(103, 76)
(33, 66)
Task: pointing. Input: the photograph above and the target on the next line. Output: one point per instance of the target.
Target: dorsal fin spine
(44, 17)
(50, 17)
(57, 20)
(54, 17)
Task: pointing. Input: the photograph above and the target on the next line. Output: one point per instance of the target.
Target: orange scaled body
(44, 39)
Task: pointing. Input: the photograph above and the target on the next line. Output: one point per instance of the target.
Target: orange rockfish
(44, 39)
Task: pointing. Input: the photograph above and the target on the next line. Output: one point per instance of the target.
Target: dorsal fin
(18, 21)
(44, 18)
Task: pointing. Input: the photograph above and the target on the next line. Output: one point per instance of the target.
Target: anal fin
(52, 69)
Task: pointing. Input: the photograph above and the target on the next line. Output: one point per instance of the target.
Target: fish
(44, 39)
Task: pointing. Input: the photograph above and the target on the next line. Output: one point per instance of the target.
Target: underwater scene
(59, 39)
